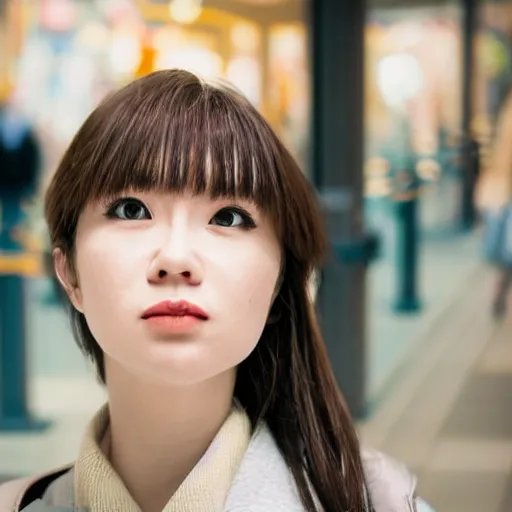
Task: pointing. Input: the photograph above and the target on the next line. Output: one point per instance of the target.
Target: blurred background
(392, 108)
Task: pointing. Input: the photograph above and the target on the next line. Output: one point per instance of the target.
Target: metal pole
(407, 256)
(14, 402)
(405, 195)
(469, 27)
(337, 37)
(14, 408)
(18, 175)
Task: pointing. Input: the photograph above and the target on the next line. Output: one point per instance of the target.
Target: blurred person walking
(19, 166)
(494, 199)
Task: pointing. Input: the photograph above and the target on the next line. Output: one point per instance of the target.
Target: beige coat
(263, 483)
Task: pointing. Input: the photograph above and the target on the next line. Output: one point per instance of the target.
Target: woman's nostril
(163, 273)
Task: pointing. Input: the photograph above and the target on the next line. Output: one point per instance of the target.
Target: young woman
(185, 236)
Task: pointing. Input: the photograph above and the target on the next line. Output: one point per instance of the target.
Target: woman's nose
(176, 261)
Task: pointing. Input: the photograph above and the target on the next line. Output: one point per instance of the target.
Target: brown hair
(171, 131)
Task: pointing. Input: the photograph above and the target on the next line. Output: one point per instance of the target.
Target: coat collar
(264, 482)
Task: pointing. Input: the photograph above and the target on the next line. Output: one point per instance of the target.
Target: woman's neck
(158, 433)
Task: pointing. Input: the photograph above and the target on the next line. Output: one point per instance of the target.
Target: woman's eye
(233, 217)
(128, 209)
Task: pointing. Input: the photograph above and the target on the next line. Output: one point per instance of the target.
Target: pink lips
(170, 317)
(179, 309)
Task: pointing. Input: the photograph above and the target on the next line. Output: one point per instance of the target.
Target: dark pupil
(132, 210)
(225, 218)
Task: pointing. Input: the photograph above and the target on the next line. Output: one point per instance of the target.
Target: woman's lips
(175, 308)
(170, 317)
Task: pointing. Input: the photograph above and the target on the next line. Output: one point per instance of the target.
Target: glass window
(78, 51)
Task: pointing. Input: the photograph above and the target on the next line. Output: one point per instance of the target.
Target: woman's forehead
(197, 140)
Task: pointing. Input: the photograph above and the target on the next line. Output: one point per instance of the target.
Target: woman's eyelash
(112, 206)
(248, 221)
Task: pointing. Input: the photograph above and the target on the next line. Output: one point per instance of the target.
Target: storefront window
(244, 67)
(78, 51)
(289, 74)
(493, 72)
(413, 128)
(425, 45)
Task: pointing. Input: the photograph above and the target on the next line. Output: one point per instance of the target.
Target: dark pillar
(407, 256)
(13, 376)
(469, 155)
(406, 190)
(19, 167)
(337, 35)
(14, 400)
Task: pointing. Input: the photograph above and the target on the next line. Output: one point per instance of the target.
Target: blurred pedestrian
(494, 199)
(19, 169)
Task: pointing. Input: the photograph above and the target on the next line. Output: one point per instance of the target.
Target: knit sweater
(98, 488)
(262, 483)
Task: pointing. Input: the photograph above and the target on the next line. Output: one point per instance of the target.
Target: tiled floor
(455, 492)
(445, 267)
(455, 430)
(483, 409)
(476, 438)
(506, 504)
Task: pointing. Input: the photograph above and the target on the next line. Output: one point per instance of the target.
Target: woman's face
(175, 288)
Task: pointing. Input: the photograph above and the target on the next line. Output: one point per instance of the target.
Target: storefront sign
(25, 264)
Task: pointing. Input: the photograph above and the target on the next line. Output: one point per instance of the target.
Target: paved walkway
(450, 419)
(445, 268)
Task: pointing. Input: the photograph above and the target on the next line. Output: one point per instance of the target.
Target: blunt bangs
(171, 132)
(174, 133)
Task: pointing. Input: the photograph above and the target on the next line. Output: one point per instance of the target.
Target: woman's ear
(66, 279)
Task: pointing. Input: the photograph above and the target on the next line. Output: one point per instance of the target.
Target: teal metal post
(407, 256)
(19, 165)
(14, 409)
(470, 159)
(406, 187)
